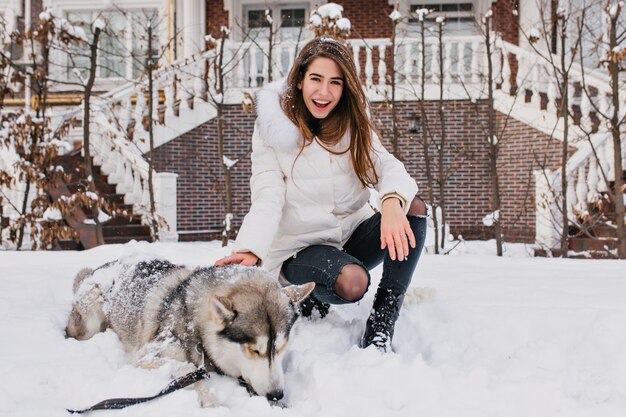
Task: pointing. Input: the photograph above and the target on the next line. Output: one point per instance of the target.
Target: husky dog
(233, 319)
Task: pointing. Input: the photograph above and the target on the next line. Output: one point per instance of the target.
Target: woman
(315, 154)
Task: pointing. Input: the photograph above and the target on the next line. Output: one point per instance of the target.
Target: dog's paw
(206, 398)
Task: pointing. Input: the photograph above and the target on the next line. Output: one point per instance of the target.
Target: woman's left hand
(395, 231)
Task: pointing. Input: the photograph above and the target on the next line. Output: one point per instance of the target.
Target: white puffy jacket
(319, 200)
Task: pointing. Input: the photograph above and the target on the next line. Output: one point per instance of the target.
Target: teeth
(322, 103)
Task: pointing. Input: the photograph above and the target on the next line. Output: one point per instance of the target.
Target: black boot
(382, 320)
(311, 303)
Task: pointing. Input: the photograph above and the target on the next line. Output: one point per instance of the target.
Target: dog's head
(249, 322)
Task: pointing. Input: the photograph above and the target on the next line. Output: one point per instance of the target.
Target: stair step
(125, 239)
(123, 221)
(126, 230)
(69, 245)
(582, 244)
(589, 254)
(120, 228)
(604, 230)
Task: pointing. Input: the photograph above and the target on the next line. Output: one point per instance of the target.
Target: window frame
(129, 44)
(238, 9)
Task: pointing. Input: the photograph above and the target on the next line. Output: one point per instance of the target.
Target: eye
(253, 350)
(337, 82)
(316, 79)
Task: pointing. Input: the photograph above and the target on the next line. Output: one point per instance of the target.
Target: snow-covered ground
(502, 337)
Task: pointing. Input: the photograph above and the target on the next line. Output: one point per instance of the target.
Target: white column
(547, 217)
(165, 202)
(193, 27)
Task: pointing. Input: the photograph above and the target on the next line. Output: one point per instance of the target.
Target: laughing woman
(315, 154)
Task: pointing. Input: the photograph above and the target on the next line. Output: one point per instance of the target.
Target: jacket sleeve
(267, 187)
(394, 180)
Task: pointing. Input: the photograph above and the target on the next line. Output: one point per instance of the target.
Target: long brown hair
(350, 113)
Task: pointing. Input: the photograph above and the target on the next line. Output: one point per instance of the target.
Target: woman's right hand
(241, 258)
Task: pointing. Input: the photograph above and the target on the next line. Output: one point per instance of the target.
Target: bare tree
(35, 144)
(87, 93)
(614, 62)
(491, 134)
(612, 41)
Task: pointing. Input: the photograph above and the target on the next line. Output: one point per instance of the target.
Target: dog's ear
(221, 310)
(297, 293)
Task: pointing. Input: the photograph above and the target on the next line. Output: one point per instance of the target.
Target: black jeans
(322, 264)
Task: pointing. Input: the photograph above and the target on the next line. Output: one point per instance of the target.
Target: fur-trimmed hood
(276, 130)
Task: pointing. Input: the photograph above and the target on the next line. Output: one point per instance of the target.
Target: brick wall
(216, 17)
(193, 156)
(369, 19)
(201, 208)
(507, 24)
(467, 199)
(504, 21)
(522, 150)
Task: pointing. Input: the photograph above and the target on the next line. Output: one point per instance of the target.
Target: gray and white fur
(238, 319)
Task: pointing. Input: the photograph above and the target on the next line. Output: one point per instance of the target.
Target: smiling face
(322, 87)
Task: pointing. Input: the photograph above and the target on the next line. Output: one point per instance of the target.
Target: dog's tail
(80, 277)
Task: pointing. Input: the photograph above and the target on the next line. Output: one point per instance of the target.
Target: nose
(274, 395)
(324, 89)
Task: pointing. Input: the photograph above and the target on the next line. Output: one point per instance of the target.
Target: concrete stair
(123, 226)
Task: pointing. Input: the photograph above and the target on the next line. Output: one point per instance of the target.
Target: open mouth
(320, 105)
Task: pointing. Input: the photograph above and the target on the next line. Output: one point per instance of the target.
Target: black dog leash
(119, 403)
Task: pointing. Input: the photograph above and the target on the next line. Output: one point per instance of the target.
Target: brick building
(186, 135)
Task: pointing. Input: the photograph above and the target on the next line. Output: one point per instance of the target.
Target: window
(292, 24)
(459, 21)
(459, 17)
(122, 49)
(292, 21)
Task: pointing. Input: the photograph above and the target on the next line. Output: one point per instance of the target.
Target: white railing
(592, 166)
(536, 76)
(587, 171)
(249, 64)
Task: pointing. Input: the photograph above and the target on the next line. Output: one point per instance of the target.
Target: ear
(297, 293)
(299, 85)
(221, 310)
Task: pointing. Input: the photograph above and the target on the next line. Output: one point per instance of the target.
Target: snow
(330, 10)
(510, 336)
(52, 214)
(421, 13)
(615, 8)
(344, 24)
(98, 24)
(229, 163)
(395, 15)
(534, 33)
(103, 217)
(491, 218)
(315, 20)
